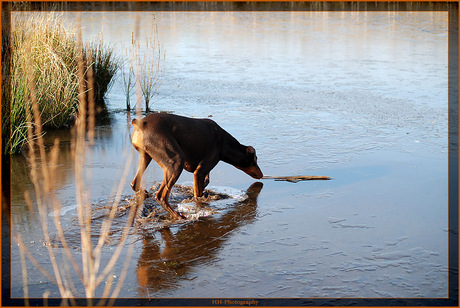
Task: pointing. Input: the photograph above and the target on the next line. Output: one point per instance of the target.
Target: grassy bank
(44, 59)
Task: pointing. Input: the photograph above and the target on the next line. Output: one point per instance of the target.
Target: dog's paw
(178, 216)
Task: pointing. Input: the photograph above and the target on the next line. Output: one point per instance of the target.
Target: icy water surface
(360, 97)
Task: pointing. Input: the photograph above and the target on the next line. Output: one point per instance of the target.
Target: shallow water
(360, 97)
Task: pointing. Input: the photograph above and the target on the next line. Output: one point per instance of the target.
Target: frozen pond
(361, 97)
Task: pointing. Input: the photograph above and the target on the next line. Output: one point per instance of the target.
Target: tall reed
(142, 68)
(53, 52)
(149, 73)
(151, 70)
(127, 72)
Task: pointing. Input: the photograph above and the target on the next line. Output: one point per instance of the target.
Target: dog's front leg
(144, 161)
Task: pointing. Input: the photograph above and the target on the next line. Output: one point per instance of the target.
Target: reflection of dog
(196, 145)
(163, 261)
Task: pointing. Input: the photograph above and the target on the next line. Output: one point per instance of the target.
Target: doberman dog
(196, 145)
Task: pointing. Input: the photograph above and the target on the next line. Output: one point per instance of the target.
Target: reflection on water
(164, 261)
(170, 250)
(64, 173)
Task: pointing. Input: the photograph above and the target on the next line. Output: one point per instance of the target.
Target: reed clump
(128, 75)
(105, 65)
(143, 67)
(51, 49)
(151, 71)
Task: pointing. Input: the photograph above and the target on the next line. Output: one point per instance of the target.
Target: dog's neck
(233, 152)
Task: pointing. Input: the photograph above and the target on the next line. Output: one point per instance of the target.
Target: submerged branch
(296, 178)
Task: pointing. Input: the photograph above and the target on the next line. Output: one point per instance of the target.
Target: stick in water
(297, 178)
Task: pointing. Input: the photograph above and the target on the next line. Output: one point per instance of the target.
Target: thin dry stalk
(48, 188)
(34, 175)
(138, 107)
(106, 292)
(46, 294)
(118, 250)
(139, 93)
(151, 71)
(90, 272)
(123, 274)
(57, 208)
(131, 218)
(91, 102)
(29, 203)
(83, 208)
(22, 246)
(127, 74)
(24, 274)
(107, 223)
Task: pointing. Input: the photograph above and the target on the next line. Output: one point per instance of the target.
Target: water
(357, 96)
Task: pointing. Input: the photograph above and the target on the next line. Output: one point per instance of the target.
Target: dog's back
(197, 138)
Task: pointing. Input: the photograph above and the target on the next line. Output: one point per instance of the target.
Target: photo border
(452, 7)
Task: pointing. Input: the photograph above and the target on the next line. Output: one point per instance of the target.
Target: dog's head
(250, 165)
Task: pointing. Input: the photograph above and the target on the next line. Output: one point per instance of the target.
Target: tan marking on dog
(137, 139)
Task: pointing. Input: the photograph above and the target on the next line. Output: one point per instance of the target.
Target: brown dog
(196, 145)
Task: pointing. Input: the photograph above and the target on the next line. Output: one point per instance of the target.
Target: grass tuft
(105, 65)
(52, 50)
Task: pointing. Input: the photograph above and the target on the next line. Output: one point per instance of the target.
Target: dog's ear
(136, 123)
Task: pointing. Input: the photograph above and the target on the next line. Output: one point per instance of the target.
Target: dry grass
(92, 271)
(43, 48)
(151, 71)
(127, 72)
(144, 72)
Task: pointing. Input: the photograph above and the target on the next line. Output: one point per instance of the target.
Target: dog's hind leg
(170, 176)
(206, 180)
(171, 160)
